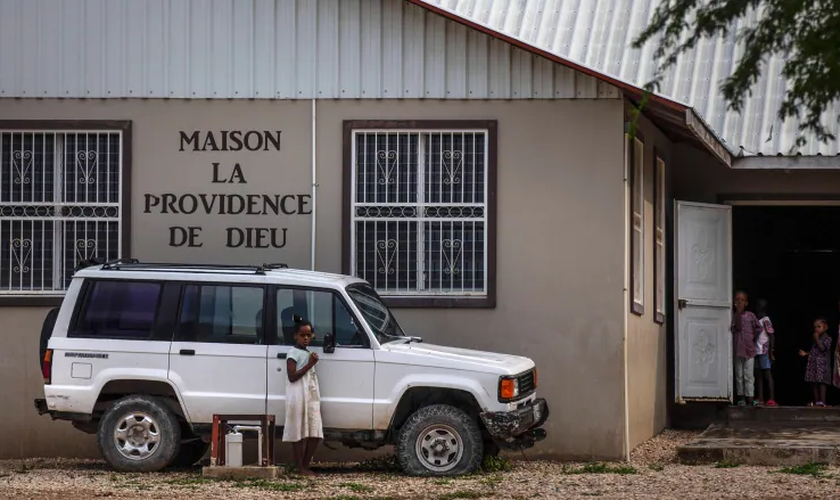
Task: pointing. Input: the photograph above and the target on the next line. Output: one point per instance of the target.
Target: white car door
(345, 376)
(218, 356)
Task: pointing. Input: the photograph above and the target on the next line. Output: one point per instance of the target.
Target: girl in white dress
(303, 399)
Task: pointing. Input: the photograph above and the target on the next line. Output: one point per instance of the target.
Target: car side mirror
(329, 343)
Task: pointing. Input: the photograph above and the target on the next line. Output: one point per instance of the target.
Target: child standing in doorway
(303, 425)
(765, 355)
(818, 370)
(745, 329)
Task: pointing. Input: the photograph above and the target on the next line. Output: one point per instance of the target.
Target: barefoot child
(765, 349)
(745, 329)
(818, 371)
(303, 425)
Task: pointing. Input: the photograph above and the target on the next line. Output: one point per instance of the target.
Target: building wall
(647, 373)
(266, 49)
(560, 221)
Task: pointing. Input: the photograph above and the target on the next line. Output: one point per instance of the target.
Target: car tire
(190, 453)
(440, 440)
(139, 434)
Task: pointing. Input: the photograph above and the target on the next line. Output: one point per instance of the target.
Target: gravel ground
(651, 474)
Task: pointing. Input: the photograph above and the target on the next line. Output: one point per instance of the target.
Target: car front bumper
(518, 429)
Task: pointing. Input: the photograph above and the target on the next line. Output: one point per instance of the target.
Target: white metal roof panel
(598, 34)
(276, 49)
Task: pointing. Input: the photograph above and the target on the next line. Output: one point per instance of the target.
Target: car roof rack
(136, 265)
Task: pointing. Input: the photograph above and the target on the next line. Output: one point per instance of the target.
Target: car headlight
(508, 388)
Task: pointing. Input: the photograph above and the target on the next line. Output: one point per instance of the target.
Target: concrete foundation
(769, 436)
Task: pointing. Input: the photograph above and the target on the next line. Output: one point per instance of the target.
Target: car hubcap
(137, 436)
(439, 448)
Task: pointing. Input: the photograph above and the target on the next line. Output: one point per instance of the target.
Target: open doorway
(790, 255)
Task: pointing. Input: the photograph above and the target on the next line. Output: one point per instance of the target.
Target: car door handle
(281, 355)
(187, 352)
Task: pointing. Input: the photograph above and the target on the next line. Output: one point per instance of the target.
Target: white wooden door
(703, 268)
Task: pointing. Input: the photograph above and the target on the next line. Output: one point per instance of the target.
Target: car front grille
(526, 383)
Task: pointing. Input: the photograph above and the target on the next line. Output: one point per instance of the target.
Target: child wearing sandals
(818, 372)
(765, 349)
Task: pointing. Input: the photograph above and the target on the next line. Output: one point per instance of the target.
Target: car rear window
(119, 310)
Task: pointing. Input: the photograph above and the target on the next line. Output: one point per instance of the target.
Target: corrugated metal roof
(280, 49)
(598, 34)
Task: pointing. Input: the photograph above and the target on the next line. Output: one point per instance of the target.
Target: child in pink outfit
(745, 329)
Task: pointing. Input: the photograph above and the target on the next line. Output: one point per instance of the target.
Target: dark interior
(790, 256)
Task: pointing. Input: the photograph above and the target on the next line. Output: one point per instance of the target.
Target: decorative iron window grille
(60, 204)
(419, 212)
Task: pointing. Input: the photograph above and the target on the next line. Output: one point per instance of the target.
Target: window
(659, 242)
(375, 312)
(637, 225)
(61, 202)
(221, 314)
(325, 310)
(421, 214)
(119, 310)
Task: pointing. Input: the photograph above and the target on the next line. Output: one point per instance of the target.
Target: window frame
(80, 126)
(431, 300)
(660, 234)
(636, 176)
(273, 289)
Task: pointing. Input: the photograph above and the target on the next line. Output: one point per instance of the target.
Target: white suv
(143, 355)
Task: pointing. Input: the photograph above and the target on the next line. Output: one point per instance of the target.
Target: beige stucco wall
(647, 374)
(560, 225)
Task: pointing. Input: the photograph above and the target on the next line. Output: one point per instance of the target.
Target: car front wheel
(139, 434)
(440, 440)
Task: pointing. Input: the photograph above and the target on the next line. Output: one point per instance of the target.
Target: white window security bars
(60, 204)
(419, 211)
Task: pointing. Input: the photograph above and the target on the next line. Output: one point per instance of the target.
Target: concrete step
(764, 444)
(782, 414)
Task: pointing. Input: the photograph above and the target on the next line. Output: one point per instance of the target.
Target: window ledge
(440, 302)
(30, 301)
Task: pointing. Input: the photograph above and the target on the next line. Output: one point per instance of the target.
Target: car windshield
(376, 313)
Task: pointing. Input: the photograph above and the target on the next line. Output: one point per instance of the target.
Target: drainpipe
(314, 184)
(628, 150)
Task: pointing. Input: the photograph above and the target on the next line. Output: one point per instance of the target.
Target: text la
(235, 177)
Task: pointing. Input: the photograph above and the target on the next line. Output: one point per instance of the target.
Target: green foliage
(496, 464)
(813, 469)
(358, 488)
(600, 468)
(461, 494)
(806, 33)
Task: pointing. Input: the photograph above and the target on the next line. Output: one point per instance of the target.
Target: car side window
(325, 310)
(119, 310)
(221, 314)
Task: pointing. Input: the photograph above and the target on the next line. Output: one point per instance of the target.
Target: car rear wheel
(139, 434)
(440, 440)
